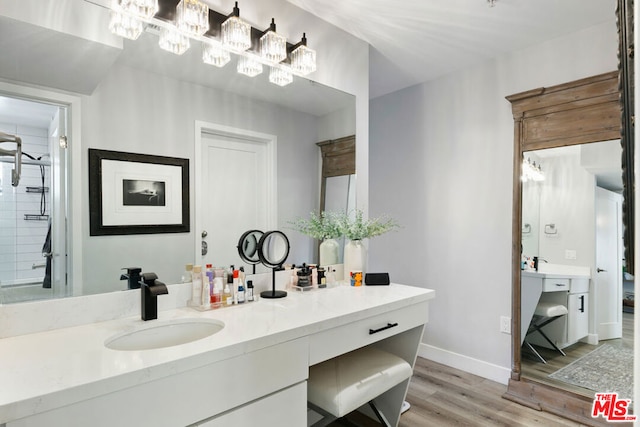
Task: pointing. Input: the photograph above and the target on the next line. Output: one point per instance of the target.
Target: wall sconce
(183, 21)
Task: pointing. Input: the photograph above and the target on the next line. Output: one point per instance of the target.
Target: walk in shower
(32, 200)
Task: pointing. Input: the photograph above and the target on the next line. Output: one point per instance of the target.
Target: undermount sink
(164, 334)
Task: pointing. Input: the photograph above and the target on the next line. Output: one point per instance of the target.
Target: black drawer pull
(389, 325)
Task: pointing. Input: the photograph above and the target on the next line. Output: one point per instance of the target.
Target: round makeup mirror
(248, 247)
(273, 250)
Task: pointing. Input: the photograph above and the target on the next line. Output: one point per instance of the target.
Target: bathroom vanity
(252, 372)
(568, 287)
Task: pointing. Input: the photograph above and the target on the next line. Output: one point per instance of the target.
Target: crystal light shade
(214, 54)
(280, 76)
(273, 46)
(192, 17)
(173, 41)
(144, 9)
(236, 34)
(249, 66)
(125, 26)
(303, 60)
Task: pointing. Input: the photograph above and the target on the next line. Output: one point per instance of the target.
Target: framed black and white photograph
(133, 193)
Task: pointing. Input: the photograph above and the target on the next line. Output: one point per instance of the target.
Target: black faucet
(151, 287)
(133, 276)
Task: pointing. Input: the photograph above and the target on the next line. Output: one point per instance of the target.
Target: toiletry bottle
(196, 285)
(322, 280)
(205, 295)
(216, 294)
(209, 274)
(249, 290)
(227, 299)
(186, 275)
(241, 295)
(234, 290)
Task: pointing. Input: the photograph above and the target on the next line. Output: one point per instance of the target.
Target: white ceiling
(413, 41)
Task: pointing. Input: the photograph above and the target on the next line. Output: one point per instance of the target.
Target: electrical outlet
(570, 254)
(505, 325)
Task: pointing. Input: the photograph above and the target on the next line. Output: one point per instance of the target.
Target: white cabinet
(263, 412)
(192, 396)
(577, 320)
(573, 293)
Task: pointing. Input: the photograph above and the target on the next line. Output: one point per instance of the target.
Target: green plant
(325, 225)
(356, 227)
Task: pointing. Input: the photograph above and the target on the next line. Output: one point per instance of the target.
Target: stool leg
(551, 342)
(535, 351)
(381, 417)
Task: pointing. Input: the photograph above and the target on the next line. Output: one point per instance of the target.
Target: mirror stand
(273, 250)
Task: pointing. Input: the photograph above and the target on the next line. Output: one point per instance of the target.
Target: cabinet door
(285, 408)
(578, 324)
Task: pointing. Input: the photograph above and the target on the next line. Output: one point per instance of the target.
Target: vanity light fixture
(531, 171)
(192, 17)
(249, 66)
(125, 26)
(280, 76)
(172, 40)
(214, 54)
(181, 22)
(236, 34)
(143, 9)
(303, 59)
(273, 46)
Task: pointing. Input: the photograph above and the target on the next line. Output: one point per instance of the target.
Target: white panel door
(608, 274)
(234, 195)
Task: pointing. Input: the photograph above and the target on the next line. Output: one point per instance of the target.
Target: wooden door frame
(578, 112)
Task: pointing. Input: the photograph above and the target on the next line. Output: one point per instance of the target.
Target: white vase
(329, 252)
(355, 257)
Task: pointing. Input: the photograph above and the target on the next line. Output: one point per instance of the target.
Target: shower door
(32, 214)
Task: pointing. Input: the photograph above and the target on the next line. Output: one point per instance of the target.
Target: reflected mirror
(131, 96)
(248, 247)
(338, 188)
(572, 221)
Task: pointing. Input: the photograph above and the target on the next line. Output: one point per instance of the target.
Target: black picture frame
(107, 168)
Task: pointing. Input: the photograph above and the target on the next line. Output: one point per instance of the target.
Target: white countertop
(558, 271)
(45, 370)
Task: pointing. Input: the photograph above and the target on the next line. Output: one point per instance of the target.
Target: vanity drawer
(554, 285)
(342, 339)
(579, 286)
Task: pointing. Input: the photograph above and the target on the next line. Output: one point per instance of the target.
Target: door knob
(204, 233)
(599, 270)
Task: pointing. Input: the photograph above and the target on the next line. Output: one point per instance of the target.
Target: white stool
(341, 385)
(545, 313)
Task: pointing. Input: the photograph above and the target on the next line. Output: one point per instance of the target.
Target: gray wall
(441, 156)
(141, 112)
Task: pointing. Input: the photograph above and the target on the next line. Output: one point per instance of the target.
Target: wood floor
(534, 369)
(441, 396)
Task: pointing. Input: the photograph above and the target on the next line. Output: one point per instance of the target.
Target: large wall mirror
(338, 181)
(134, 97)
(568, 214)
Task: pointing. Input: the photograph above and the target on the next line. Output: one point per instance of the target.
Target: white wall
(568, 200)
(442, 165)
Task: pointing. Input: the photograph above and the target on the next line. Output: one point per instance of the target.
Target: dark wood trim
(338, 158)
(583, 111)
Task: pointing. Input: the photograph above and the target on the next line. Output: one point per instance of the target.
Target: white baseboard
(465, 363)
(591, 339)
